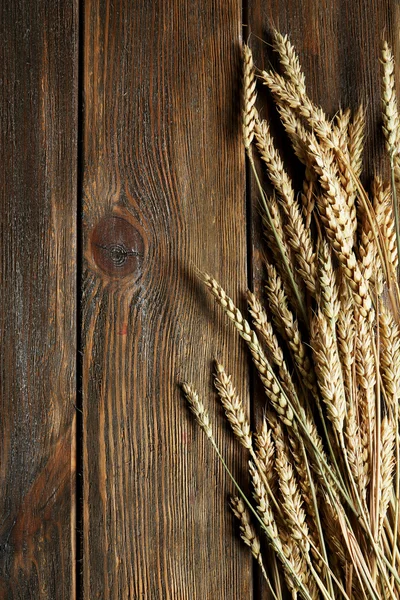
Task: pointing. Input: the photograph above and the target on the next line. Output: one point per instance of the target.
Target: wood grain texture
(164, 191)
(38, 110)
(339, 44)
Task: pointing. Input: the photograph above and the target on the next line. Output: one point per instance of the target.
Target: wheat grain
(344, 165)
(286, 94)
(297, 451)
(296, 131)
(334, 196)
(349, 264)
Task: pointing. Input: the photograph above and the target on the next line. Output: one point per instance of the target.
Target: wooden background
(122, 171)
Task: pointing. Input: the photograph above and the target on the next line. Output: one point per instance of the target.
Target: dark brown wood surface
(163, 191)
(38, 116)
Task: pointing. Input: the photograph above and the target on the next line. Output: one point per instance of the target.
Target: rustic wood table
(122, 171)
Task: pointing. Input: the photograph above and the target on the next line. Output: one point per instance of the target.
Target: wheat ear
(198, 409)
(249, 96)
(288, 326)
(389, 102)
(247, 531)
(289, 60)
(233, 406)
(356, 140)
(272, 387)
(297, 235)
(388, 438)
(328, 369)
(274, 351)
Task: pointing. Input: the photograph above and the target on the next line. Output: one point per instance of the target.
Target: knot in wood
(117, 247)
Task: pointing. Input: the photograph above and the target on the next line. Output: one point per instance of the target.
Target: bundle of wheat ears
(323, 520)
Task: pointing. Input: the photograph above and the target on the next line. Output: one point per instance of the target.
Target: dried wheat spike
(389, 102)
(366, 381)
(247, 531)
(297, 133)
(367, 250)
(348, 263)
(341, 126)
(345, 333)
(357, 455)
(306, 494)
(264, 508)
(286, 94)
(308, 195)
(297, 235)
(293, 555)
(369, 259)
(272, 387)
(265, 452)
(270, 156)
(287, 325)
(275, 354)
(389, 355)
(282, 248)
(329, 288)
(198, 409)
(346, 177)
(334, 197)
(328, 369)
(357, 140)
(248, 98)
(233, 406)
(289, 61)
(292, 503)
(277, 223)
(332, 531)
(297, 566)
(383, 207)
(388, 438)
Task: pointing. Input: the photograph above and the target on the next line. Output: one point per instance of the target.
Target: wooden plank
(339, 45)
(164, 191)
(38, 115)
